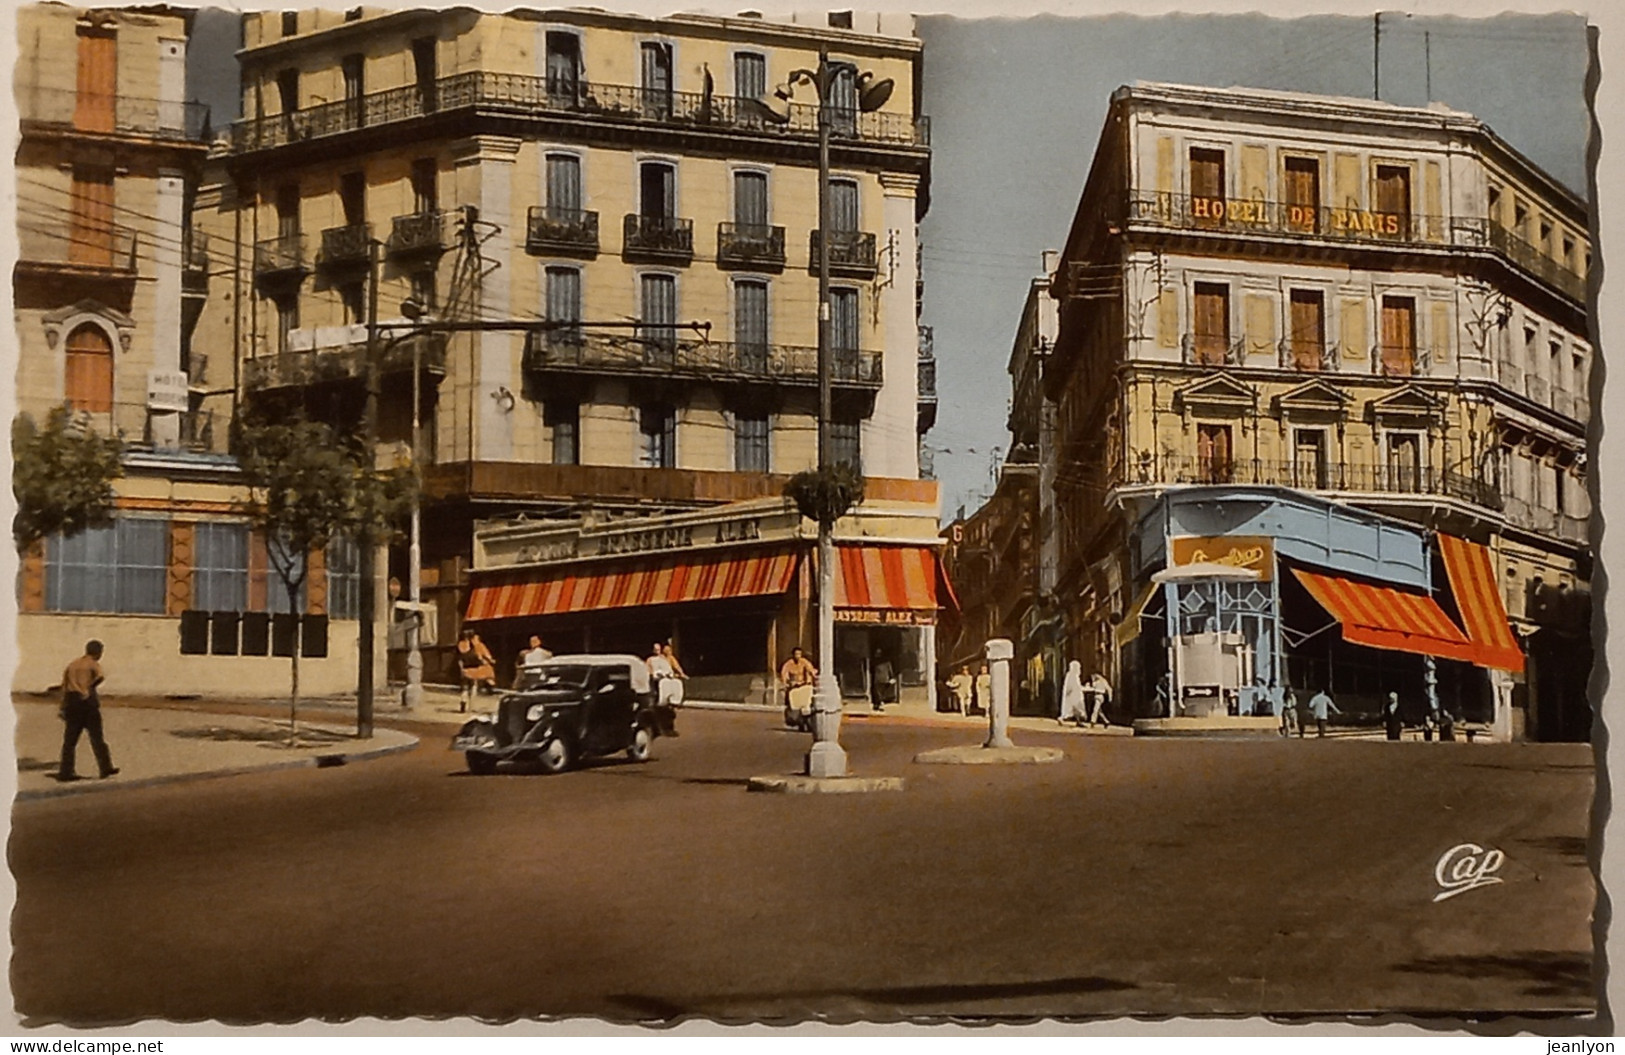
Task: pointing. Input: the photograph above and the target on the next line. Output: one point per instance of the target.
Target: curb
(804, 785)
(85, 787)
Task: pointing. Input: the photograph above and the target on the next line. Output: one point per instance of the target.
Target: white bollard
(999, 652)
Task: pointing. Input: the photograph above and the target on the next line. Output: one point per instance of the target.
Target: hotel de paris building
(1322, 383)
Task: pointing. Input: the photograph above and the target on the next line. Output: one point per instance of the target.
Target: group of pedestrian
(1084, 703)
(970, 693)
(1284, 705)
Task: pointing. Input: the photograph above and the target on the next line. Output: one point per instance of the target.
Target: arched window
(89, 375)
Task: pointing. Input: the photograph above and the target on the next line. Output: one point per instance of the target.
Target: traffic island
(984, 756)
(799, 784)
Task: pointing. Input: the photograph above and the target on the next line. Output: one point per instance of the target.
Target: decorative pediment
(1408, 402)
(1218, 390)
(1314, 397)
(66, 320)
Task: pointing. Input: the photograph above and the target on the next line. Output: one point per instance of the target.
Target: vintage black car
(567, 709)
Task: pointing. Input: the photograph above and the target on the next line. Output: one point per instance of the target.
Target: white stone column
(928, 662)
(166, 296)
(890, 443)
(999, 652)
(494, 374)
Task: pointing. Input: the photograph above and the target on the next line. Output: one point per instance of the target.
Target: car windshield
(564, 675)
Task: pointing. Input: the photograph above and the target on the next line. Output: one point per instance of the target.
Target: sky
(1016, 108)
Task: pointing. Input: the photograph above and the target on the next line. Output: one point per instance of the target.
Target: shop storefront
(733, 588)
(1243, 589)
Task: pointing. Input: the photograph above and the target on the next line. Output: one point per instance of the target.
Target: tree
(62, 475)
(826, 494)
(310, 483)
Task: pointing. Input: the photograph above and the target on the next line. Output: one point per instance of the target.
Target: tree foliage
(826, 494)
(62, 475)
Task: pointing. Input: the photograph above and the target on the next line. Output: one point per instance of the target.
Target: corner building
(1293, 327)
(628, 174)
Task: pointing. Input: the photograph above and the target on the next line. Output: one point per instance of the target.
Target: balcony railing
(343, 360)
(1313, 475)
(194, 260)
(568, 231)
(62, 245)
(750, 245)
(69, 110)
(927, 371)
(576, 352)
(1307, 356)
(418, 232)
(659, 238)
(851, 253)
(345, 247)
(525, 95)
(1535, 262)
(282, 255)
(1213, 349)
(1398, 360)
(1254, 216)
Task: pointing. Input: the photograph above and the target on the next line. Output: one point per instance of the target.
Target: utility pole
(1376, 56)
(826, 758)
(414, 560)
(1427, 62)
(369, 563)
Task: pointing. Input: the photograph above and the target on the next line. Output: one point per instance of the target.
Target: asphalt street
(1138, 876)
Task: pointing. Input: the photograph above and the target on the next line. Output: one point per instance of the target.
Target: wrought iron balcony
(1307, 356)
(1213, 349)
(343, 360)
(925, 407)
(755, 246)
(1276, 219)
(1536, 263)
(525, 96)
(1313, 475)
(417, 233)
(927, 377)
(1398, 360)
(69, 110)
(345, 247)
(567, 351)
(280, 259)
(662, 239)
(63, 246)
(570, 232)
(195, 261)
(851, 253)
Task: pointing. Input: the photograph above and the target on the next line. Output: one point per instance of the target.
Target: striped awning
(1478, 599)
(671, 579)
(1382, 617)
(889, 578)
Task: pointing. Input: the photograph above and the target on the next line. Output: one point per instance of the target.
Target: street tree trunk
(293, 662)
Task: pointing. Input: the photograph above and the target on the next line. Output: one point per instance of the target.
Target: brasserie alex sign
(645, 535)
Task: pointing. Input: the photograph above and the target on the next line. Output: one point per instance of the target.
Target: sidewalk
(158, 745)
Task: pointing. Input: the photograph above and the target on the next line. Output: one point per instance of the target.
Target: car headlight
(535, 713)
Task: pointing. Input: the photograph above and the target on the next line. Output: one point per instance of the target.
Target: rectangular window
(563, 186)
(750, 443)
(284, 560)
(846, 443)
(563, 69)
(843, 99)
(1308, 330)
(1394, 194)
(750, 75)
(1302, 194)
(564, 419)
(90, 218)
(94, 106)
(750, 199)
(843, 333)
(657, 436)
(1207, 186)
(657, 190)
(287, 88)
(1568, 253)
(343, 578)
(1404, 462)
(1493, 204)
(843, 205)
(287, 320)
(840, 19)
(564, 303)
(354, 88)
(287, 210)
(656, 81)
(425, 68)
(353, 198)
(1215, 464)
(1520, 219)
(121, 567)
(750, 325)
(425, 189)
(1309, 458)
(1210, 323)
(1398, 353)
(220, 567)
(659, 308)
(290, 23)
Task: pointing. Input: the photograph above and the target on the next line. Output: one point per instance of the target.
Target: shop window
(1214, 457)
(657, 436)
(88, 370)
(283, 560)
(343, 578)
(220, 567)
(750, 443)
(564, 418)
(120, 568)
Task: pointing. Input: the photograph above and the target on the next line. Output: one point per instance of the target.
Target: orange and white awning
(1382, 617)
(675, 579)
(873, 579)
(1478, 599)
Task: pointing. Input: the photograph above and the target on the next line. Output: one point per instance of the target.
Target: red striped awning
(891, 578)
(672, 579)
(1382, 617)
(1478, 599)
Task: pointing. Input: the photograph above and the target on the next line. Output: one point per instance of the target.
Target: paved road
(1158, 877)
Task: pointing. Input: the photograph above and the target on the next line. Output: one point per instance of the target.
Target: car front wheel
(642, 747)
(554, 756)
(481, 763)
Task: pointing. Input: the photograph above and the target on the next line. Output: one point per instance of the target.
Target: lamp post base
(826, 759)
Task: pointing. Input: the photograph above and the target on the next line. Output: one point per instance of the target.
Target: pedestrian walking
(82, 713)
(1072, 708)
(664, 675)
(1320, 704)
(1277, 698)
(1390, 716)
(1291, 717)
(530, 660)
(475, 665)
(1430, 722)
(882, 683)
(1101, 691)
(963, 686)
(982, 702)
(1447, 725)
(798, 676)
